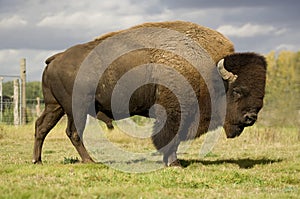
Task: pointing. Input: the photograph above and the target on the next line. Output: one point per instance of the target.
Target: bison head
(244, 76)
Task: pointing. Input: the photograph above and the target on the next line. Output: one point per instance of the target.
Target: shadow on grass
(246, 163)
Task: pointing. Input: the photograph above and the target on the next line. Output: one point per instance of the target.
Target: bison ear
(226, 75)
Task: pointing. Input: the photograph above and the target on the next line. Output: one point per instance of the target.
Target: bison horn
(226, 75)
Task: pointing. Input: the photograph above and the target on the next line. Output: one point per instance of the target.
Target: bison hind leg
(107, 120)
(49, 118)
(95, 111)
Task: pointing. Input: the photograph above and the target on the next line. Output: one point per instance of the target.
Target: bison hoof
(88, 161)
(176, 163)
(36, 161)
(110, 126)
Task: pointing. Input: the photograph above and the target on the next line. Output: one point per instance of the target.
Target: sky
(37, 29)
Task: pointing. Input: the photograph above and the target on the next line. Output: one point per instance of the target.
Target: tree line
(282, 89)
(33, 89)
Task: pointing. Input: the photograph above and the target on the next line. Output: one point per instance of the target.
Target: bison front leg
(43, 125)
(173, 120)
(73, 132)
(171, 134)
(167, 139)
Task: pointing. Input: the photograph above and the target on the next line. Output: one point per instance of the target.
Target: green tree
(282, 88)
(33, 89)
(7, 88)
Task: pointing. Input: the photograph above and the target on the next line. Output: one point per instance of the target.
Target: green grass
(261, 163)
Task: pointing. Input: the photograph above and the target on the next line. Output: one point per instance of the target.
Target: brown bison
(76, 82)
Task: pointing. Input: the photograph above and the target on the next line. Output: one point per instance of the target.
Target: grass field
(261, 163)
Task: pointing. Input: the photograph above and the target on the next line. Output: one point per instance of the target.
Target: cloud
(250, 30)
(86, 26)
(87, 15)
(12, 22)
(289, 47)
(35, 29)
(102, 17)
(35, 62)
(65, 20)
(201, 4)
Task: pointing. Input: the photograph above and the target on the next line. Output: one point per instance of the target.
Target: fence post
(23, 90)
(1, 99)
(16, 102)
(38, 107)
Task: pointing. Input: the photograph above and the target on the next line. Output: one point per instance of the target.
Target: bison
(188, 111)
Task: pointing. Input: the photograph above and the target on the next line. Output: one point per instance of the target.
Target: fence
(34, 108)
(18, 108)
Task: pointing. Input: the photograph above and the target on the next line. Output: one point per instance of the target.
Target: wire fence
(34, 108)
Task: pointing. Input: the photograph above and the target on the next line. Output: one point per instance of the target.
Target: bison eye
(239, 92)
(236, 93)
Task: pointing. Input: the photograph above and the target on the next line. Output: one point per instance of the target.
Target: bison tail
(50, 59)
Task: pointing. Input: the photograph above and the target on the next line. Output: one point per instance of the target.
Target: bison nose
(250, 118)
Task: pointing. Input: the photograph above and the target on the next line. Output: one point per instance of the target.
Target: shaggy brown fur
(216, 44)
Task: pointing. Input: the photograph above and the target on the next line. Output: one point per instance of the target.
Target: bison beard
(243, 76)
